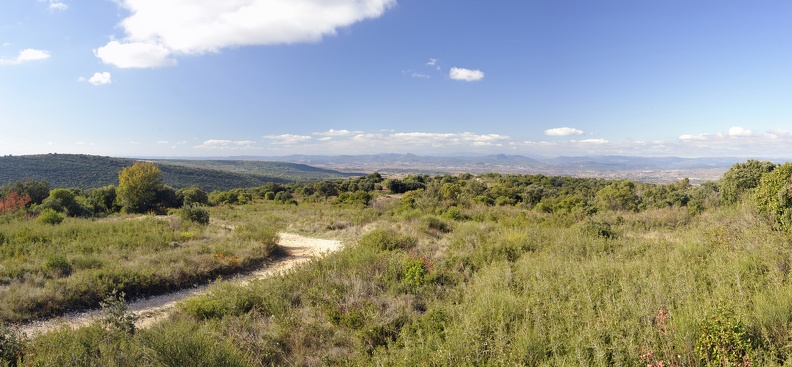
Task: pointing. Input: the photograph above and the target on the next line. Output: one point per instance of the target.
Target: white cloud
(135, 55)
(162, 142)
(444, 139)
(690, 137)
(57, 5)
(6, 44)
(563, 131)
(419, 75)
(220, 144)
(591, 141)
(467, 75)
(738, 141)
(157, 31)
(333, 132)
(288, 139)
(778, 133)
(26, 55)
(435, 63)
(738, 131)
(98, 79)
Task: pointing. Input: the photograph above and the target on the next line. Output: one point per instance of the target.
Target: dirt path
(153, 309)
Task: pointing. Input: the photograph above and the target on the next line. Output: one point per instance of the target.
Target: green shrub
(184, 343)
(437, 224)
(599, 229)
(723, 340)
(256, 232)
(773, 196)
(50, 216)
(12, 345)
(116, 315)
(224, 299)
(58, 265)
(415, 274)
(386, 240)
(195, 213)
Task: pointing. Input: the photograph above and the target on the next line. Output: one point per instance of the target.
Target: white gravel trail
(151, 310)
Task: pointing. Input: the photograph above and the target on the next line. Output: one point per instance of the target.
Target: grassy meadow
(441, 275)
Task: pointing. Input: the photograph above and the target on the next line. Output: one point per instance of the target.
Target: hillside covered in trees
(442, 270)
(87, 171)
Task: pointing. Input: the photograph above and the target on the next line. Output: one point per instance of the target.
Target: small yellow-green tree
(138, 186)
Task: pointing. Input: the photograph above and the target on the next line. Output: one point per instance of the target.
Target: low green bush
(50, 216)
(196, 213)
(387, 240)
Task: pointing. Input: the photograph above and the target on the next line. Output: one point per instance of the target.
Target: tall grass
(484, 286)
(46, 270)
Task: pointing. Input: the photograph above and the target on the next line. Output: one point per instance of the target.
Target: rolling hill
(87, 171)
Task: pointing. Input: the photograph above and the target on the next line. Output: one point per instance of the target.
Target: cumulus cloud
(135, 55)
(563, 131)
(739, 141)
(26, 55)
(778, 133)
(738, 131)
(467, 75)
(98, 79)
(288, 139)
(220, 144)
(157, 31)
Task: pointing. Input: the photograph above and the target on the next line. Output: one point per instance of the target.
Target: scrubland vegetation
(437, 271)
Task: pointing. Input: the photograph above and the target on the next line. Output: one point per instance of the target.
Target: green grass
(498, 286)
(46, 270)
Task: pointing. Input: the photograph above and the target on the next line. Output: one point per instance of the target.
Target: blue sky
(429, 77)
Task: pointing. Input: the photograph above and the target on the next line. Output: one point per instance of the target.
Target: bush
(414, 275)
(50, 216)
(58, 265)
(386, 240)
(773, 196)
(116, 313)
(195, 213)
(193, 195)
(599, 229)
(437, 224)
(12, 345)
(723, 340)
(183, 343)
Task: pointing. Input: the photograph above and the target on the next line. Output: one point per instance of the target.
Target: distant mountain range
(651, 169)
(224, 173)
(87, 171)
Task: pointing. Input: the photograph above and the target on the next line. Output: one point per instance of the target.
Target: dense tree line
(141, 190)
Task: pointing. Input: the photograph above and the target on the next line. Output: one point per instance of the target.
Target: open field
(457, 271)
(148, 311)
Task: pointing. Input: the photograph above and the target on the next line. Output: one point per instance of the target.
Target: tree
(773, 196)
(138, 186)
(742, 177)
(37, 191)
(618, 196)
(193, 195)
(62, 199)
